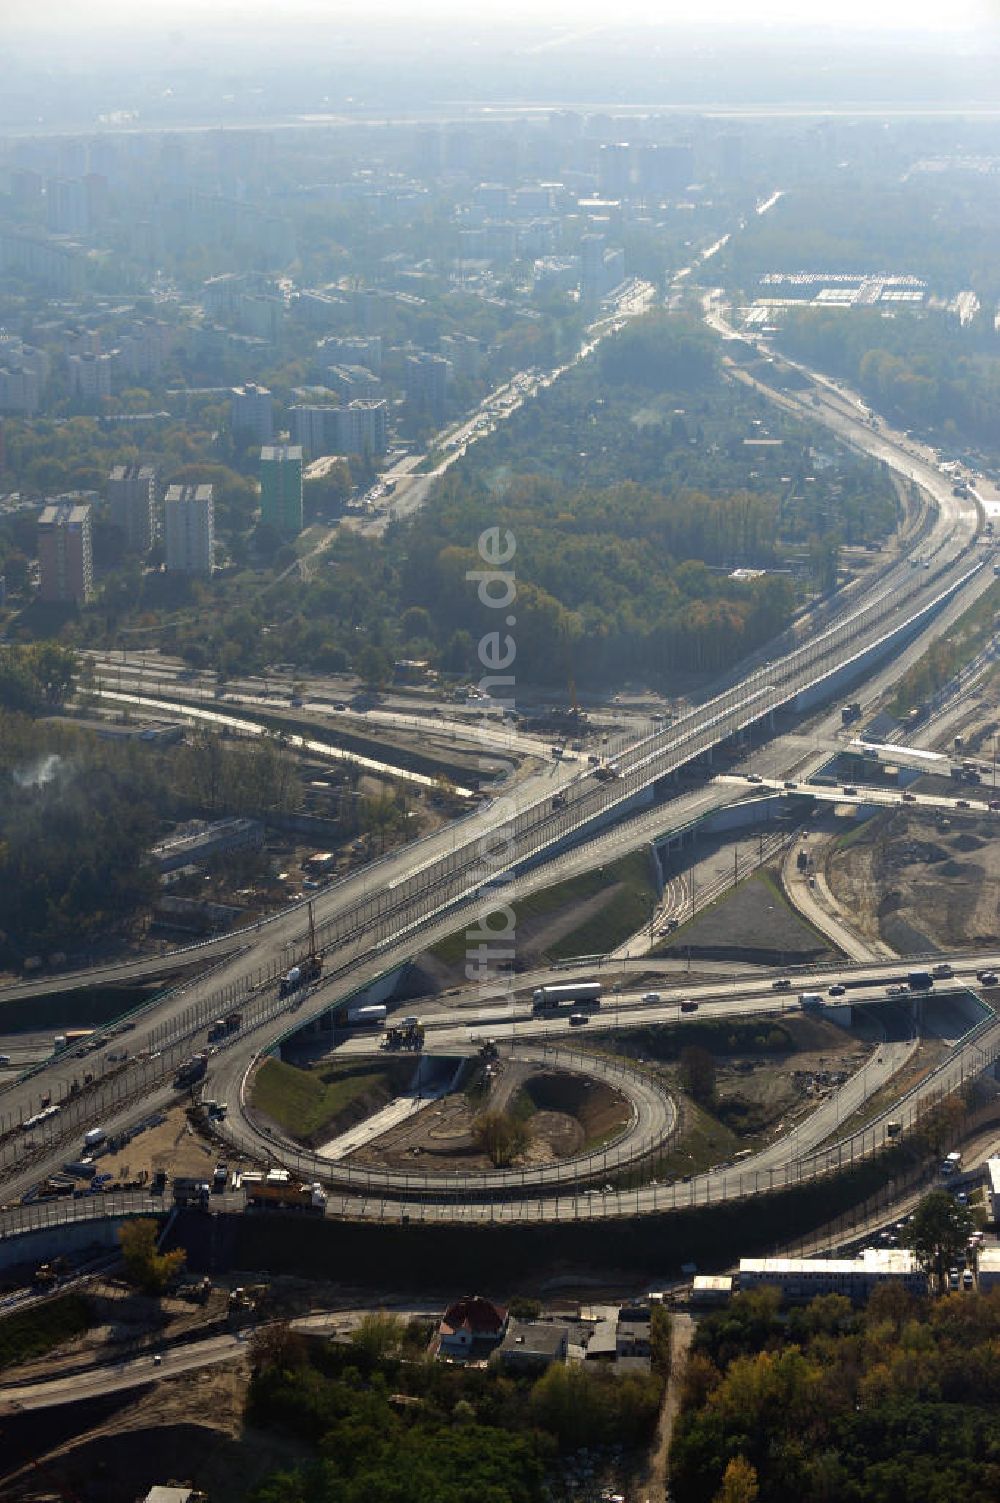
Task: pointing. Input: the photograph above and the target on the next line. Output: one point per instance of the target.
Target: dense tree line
(899, 1403)
(73, 840)
(600, 593)
(921, 369)
(414, 1431)
(948, 653)
(942, 231)
(78, 815)
(632, 493)
(35, 678)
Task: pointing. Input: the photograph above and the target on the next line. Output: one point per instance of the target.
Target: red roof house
(471, 1327)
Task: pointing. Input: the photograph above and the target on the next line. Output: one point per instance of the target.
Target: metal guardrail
(725, 1183)
(588, 1165)
(446, 882)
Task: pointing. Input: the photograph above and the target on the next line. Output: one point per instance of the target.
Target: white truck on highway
(569, 993)
(373, 1016)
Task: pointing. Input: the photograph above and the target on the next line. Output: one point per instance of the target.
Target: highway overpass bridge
(377, 918)
(509, 836)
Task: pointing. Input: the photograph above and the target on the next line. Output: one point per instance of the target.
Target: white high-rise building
(189, 528)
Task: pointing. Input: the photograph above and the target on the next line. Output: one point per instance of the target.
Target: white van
(810, 999)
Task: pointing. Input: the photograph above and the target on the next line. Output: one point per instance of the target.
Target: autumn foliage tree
(739, 1483)
(501, 1137)
(896, 1403)
(145, 1267)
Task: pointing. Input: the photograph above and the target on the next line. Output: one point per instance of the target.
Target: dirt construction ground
(174, 1146)
(563, 1112)
(920, 882)
(188, 1429)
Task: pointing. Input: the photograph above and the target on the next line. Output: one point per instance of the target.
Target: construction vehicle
(54, 1188)
(286, 1197)
(47, 1274)
(247, 1297)
(222, 1027)
(191, 1071)
(191, 1192)
(308, 970)
(405, 1035)
(198, 1291)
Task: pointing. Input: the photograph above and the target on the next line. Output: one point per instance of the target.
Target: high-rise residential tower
(65, 554)
(189, 528)
(131, 494)
(281, 488)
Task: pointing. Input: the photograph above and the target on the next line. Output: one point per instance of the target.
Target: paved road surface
(136, 1372)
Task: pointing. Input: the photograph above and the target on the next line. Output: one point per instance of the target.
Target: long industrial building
(857, 1278)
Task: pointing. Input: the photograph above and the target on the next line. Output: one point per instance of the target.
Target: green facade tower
(281, 488)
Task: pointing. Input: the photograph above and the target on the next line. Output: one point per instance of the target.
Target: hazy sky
(132, 16)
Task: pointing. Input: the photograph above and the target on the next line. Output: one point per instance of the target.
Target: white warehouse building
(857, 1278)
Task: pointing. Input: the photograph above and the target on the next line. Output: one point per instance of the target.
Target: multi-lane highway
(376, 918)
(814, 1147)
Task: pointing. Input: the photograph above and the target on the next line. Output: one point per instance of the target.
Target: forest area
(897, 1403)
(634, 489)
(919, 369)
(380, 1419)
(942, 229)
(78, 815)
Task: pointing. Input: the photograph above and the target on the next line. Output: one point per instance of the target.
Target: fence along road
(804, 1157)
(400, 909)
(383, 926)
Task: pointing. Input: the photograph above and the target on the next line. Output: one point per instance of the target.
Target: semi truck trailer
(566, 994)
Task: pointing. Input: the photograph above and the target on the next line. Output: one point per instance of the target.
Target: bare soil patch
(176, 1146)
(593, 1104)
(564, 1113)
(761, 1088)
(910, 873)
(187, 1429)
(754, 1096)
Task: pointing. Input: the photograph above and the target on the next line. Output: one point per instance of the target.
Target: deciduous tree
(149, 1270)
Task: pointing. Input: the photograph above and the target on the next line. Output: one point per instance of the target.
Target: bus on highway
(575, 994)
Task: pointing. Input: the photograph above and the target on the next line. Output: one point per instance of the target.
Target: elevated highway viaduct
(377, 918)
